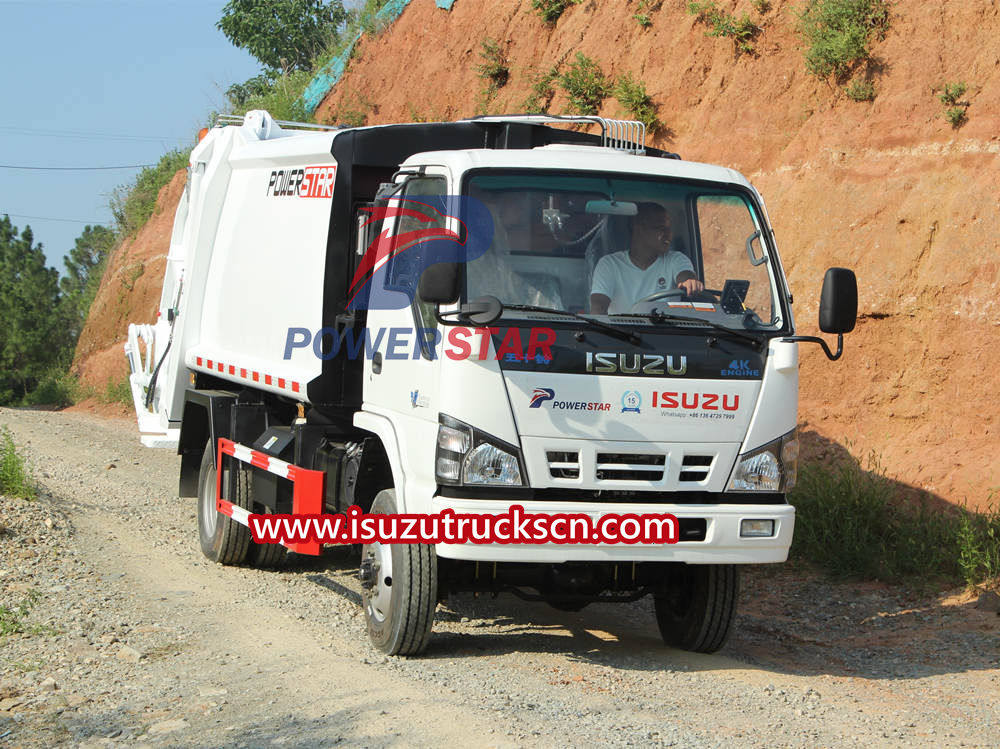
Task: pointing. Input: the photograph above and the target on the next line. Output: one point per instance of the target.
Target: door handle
(377, 363)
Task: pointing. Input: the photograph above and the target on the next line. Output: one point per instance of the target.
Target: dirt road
(135, 638)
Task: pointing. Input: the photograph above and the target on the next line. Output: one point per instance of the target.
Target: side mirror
(439, 283)
(838, 306)
(838, 310)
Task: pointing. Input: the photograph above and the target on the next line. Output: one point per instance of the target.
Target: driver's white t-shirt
(624, 284)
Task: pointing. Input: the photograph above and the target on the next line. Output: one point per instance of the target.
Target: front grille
(695, 468)
(630, 466)
(563, 464)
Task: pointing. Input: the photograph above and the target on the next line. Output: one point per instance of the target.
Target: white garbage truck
(578, 324)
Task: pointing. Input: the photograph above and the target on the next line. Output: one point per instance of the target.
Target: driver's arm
(602, 287)
(689, 282)
(599, 304)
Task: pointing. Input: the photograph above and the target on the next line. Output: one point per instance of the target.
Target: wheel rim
(209, 512)
(379, 595)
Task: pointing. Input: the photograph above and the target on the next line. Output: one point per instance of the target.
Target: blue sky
(101, 83)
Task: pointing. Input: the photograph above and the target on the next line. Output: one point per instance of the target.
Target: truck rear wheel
(262, 556)
(696, 608)
(399, 584)
(223, 540)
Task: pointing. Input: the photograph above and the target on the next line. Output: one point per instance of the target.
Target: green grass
(839, 33)
(632, 95)
(860, 91)
(117, 392)
(851, 523)
(585, 84)
(550, 10)
(743, 30)
(12, 620)
(542, 91)
(133, 204)
(15, 479)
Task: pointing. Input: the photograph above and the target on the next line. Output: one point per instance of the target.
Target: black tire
(262, 556)
(223, 540)
(399, 607)
(696, 608)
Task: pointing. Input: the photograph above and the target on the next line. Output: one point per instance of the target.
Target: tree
(34, 335)
(84, 266)
(282, 34)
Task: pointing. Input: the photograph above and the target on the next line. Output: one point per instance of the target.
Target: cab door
(401, 369)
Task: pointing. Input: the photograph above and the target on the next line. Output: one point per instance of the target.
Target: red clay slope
(887, 188)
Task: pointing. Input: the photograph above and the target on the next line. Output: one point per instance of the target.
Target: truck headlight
(466, 455)
(770, 468)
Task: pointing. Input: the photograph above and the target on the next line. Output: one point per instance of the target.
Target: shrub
(632, 95)
(57, 388)
(550, 10)
(838, 34)
(585, 84)
(849, 522)
(15, 480)
(762, 6)
(952, 92)
(956, 116)
(132, 205)
(860, 91)
(642, 12)
(542, 91)
(743, 31)
(279, 95)
(494, 68)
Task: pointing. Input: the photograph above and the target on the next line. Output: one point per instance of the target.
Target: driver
(623, 278)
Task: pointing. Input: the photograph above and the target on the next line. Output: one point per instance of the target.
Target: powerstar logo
(740, 368)
(544, 395)
(307, 182)
(540, 396)
(415, 234)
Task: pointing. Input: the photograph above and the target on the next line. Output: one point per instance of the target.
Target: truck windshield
(626, 248)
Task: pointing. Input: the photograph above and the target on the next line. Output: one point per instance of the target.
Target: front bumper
(722, 544)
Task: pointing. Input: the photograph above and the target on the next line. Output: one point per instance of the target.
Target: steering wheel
(705, 295)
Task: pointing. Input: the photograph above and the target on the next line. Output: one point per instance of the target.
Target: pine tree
(84, 266)
(34, 335)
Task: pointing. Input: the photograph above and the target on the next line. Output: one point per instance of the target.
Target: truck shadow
(791, 620)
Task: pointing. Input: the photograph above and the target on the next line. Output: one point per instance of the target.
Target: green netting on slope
(332, 72)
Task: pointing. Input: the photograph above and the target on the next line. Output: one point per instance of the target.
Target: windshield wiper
(657, 316)
(625, 335)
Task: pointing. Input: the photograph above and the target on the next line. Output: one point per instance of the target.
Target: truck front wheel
(223, 540)
(696, 606)
(399, 589)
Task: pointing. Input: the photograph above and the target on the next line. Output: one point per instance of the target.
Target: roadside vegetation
(585, 84)
(631, 94)
(956, 109)
(494, 70)
(550, 10)
(542, 91)
(644, 11)
(743, 30)
(15, 479)
(839, 34)
(851, 522)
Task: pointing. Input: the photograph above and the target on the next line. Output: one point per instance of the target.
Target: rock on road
(134, 637)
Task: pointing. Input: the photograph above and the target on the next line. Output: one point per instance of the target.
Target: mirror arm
(813, 339)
